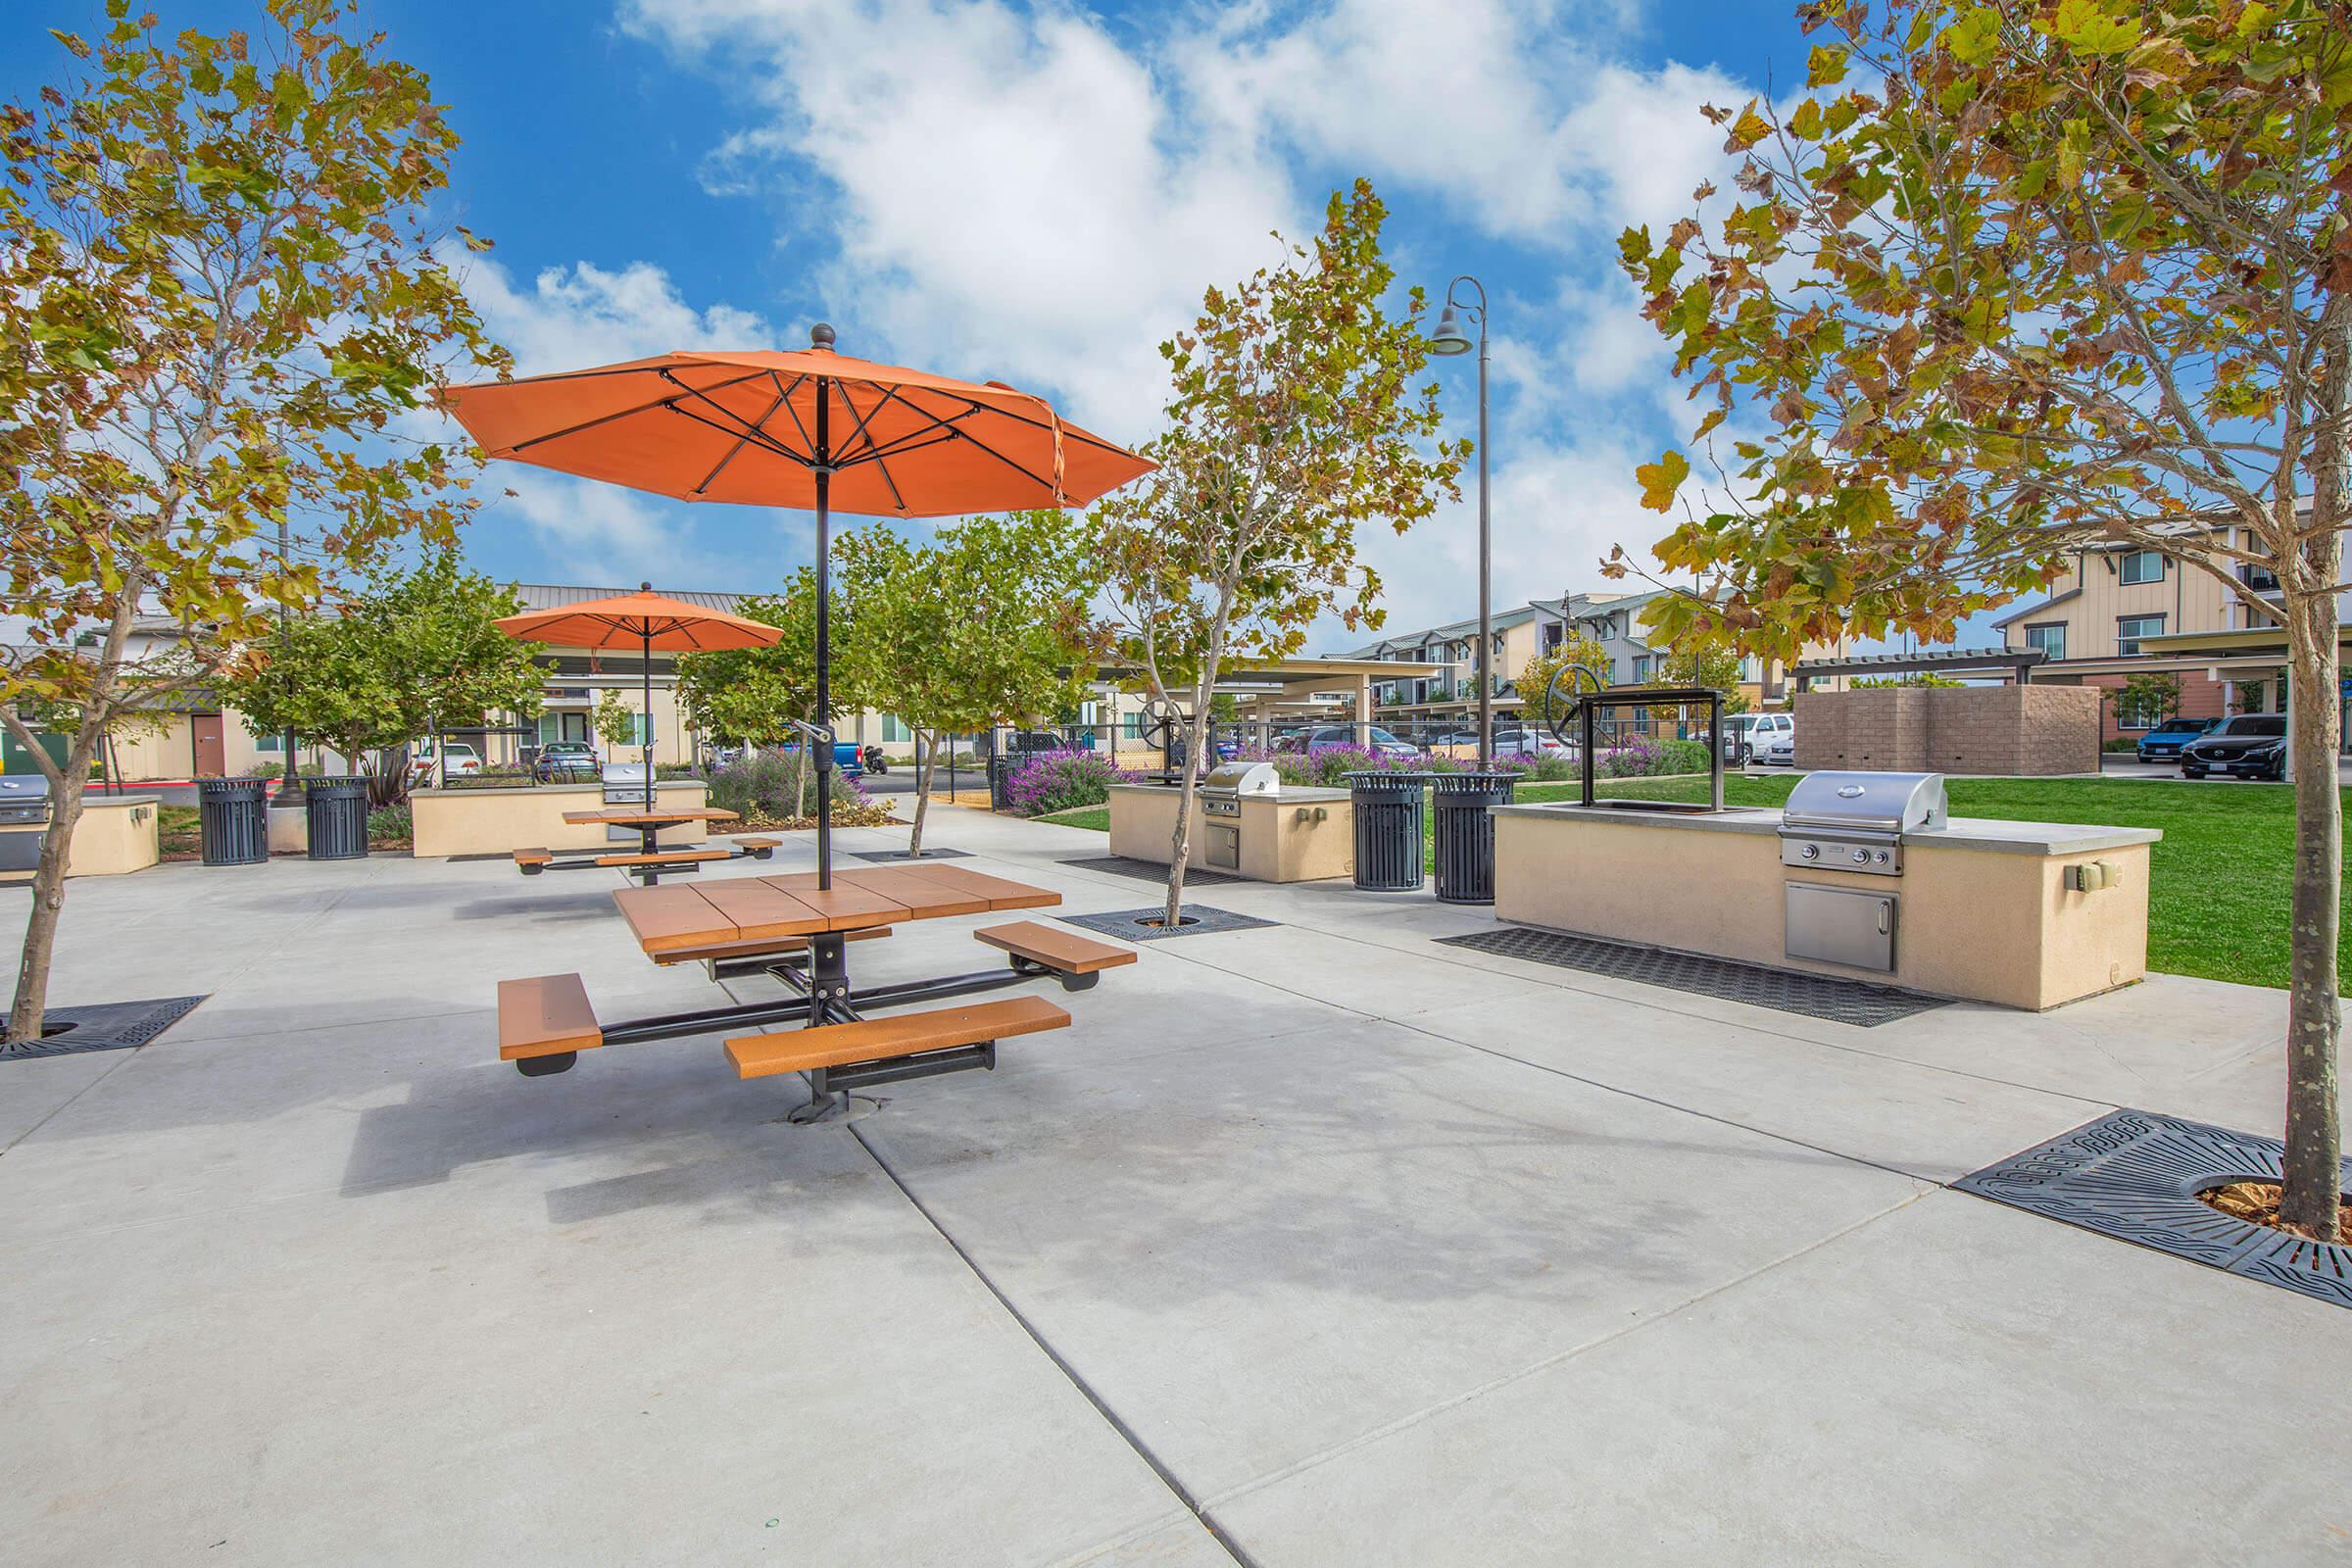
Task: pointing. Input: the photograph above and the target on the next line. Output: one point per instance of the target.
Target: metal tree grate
(2135, 1175)
(106, 1026)
(902, 855)
(1816, 996)
(1149, 871)
(1199, 921)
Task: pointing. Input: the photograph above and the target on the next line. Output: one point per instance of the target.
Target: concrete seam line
(1402, 1423)
(1668, 1104)
(1086, 1390)
(112, 1068)
(1856, 1049)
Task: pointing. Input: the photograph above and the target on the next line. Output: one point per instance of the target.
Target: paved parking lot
(1315, 1245)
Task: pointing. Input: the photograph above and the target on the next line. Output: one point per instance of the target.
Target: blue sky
(1038, 192)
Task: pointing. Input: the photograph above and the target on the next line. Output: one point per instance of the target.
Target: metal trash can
(232, 814)
(1465, 833)
(338, 828)
(1388, 829)
(1000, 782)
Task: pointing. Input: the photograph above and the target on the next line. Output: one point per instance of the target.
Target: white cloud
(600, 534)
(582, 315)
(1034, 195)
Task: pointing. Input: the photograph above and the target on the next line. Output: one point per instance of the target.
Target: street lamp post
(1449, 338)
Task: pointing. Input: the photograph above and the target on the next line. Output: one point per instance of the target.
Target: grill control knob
(1812, 851)
(1861, 857)
(1879, 856)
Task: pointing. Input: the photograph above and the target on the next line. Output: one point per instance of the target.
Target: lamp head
(1450, 337)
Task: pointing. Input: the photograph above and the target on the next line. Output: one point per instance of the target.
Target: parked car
(2242, 746)
(1323, 740)
(1756, 731)
(1778, 749)
(565, 761)
(1520, 741)
(2165, 741)
(456, 760)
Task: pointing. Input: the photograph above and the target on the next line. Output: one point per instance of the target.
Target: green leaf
(2085, 26)
(1974, 36)
(1825, 66)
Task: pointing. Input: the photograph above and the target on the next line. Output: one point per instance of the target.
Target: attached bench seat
(533, 862)
(1041, 949)
(758, 849)
(888, 1041)
(664, 858)
(545, 1022)
(757, 948)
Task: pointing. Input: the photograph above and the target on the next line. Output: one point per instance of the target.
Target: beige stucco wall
(496, 822)
(1992, 926)
(1285, 838)
(2189, 600)
(115, 836)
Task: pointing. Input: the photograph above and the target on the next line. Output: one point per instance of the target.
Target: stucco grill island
(1865, 876)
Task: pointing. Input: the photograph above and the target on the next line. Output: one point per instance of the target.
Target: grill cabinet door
(1849, 926)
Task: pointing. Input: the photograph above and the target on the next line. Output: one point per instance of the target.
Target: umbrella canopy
(807, 429)
(761, 427)
(642, 620)
(645, 621)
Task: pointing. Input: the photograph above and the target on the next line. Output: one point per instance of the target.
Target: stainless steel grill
(1856, 821)
(23, 800)
(1853, 822)
(1221, 795)
(23, 803)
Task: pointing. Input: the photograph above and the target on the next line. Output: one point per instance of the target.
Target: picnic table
(649, 859)
(797, 932)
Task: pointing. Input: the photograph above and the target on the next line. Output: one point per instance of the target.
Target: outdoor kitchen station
(1864, 874)
(1246, 823)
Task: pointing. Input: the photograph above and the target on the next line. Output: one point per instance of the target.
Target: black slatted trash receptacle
(1000, 782)
(338, 828)
(233, 817)
(1465, 833)
(1388, 830)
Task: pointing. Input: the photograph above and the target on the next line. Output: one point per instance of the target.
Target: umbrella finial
(645, 587)
(820, 336)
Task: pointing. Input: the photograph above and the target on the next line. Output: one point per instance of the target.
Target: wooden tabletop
(680, 915)
(640, 817)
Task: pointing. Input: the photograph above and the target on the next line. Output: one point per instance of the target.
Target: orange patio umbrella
(807, 428)
(647, 620)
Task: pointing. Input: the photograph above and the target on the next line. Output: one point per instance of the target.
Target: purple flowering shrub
(1060, 781)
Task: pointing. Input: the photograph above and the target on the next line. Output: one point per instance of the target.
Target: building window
(1641, 663)
(2143, 565)
(895, 732)
(2051, 638)
(1131, 725)
(273, 742)
(2129, 629)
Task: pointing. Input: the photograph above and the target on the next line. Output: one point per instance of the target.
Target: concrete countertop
(1963, 832)
(1290, 794)
(96, 802)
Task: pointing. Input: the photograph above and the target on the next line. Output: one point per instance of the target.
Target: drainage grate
(2135, 1175)
(107, 1026)
(902, 855)
(1816, 996)
(1149, 871)
(1199, 921)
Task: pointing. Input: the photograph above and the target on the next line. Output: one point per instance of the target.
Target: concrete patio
(1318, 1244)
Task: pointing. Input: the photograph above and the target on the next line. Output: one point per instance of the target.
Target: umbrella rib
(623, 414)
(958, 434)
(874, 450)
(746, 432)
(741, 443)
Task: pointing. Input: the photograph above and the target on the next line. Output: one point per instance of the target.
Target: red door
(209, 749)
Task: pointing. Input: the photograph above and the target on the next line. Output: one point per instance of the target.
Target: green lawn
(2219, 881)
(2218, 902)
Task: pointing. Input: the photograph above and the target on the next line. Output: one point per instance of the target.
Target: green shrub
(390, 825)
(775, 788)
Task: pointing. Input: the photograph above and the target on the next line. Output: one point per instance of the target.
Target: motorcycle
(875, 762)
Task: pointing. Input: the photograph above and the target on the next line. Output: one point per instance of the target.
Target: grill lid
(1243, 778)
(1879, 802)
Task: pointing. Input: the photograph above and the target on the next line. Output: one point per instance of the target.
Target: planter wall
(494, 821)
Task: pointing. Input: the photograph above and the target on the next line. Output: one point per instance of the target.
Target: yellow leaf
(1661, 480)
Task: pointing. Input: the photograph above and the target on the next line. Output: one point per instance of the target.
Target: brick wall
(2015, 732)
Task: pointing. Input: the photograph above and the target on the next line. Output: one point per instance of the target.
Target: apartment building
(2122, 612)
(1451, 691)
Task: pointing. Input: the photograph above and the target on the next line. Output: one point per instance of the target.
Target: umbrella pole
(822, 742)
(646, 665)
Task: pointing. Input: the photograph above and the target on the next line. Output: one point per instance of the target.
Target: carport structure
(1267, 692)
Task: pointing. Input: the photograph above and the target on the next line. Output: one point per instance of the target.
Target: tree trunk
(1187, 792)
(2314, 1132)
(41, 931)
(926, 752)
